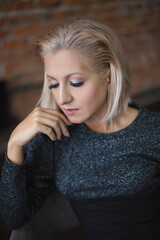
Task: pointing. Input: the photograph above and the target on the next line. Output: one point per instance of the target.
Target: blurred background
(136, 22)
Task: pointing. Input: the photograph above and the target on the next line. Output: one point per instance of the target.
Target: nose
(64, 95)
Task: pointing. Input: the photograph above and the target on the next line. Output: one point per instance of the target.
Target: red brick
(3, 34)
(15, 44)
(132, 8)
(147, 13)
(58, 15)
(106, 10)
(17, 53)
(12, 6)
(78, 2)
(137, 28)
(2, 21)
(21, 104)
(158, 4)
(49, 3)
(24, 20)
(20, 67)
(82, 12)
(22, 79)
(34, 29)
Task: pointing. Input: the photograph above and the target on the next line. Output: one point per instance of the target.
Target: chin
(76, 121)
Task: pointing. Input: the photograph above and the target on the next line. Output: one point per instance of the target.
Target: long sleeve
(23, 188)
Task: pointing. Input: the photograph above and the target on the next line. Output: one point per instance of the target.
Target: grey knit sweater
(88, 165)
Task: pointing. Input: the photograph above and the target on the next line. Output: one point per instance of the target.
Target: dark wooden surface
(75, 233)
(4, 232)
(70, 234)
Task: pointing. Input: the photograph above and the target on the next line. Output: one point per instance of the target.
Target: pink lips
(70, 111)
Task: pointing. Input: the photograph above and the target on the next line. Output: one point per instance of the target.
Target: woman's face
(77, 89)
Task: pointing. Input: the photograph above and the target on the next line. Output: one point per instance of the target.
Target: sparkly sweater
(87, 166)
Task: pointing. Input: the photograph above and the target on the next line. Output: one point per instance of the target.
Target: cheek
(93, 97)
(88, 97)
(53, 94)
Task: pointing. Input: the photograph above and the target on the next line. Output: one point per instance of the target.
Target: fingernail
(67, 134)
(69, 123)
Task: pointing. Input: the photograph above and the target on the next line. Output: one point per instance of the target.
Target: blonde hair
(100, 45)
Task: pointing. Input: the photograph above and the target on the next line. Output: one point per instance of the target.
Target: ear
(108, 81)
(109, 77)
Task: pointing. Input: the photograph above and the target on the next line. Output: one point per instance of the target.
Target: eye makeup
(53, 85)
(72, 83)
(76, 84)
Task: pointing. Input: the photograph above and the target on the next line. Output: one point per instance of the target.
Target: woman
(88, 138)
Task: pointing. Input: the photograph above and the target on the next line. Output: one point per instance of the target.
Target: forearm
(14, 208)
(15, 153)
(24, 187)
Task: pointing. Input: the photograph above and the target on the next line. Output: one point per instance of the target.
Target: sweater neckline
(131, 126)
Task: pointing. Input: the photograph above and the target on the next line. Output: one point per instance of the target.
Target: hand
(48, 121)
(41, 120)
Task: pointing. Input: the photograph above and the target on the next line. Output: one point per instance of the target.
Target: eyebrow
(66, 77)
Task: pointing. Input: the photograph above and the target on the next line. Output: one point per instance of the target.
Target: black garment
(120, 219)
(90, 166)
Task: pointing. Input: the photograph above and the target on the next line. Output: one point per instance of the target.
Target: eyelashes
(77, 84)
(53, 86)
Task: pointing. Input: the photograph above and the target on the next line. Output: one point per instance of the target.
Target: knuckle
(49, 131)
(57, 111)
(37, 109)
(36, 119)
(57, 118)
(36, 125)
(56, 124)
(37, 114)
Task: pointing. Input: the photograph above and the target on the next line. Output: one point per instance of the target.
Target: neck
(121, 121)
(101, 127)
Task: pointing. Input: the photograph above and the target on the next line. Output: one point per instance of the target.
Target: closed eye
(72, 83)
(53, 85)
(76, 84)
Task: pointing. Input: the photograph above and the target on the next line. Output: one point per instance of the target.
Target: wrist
(15, 153)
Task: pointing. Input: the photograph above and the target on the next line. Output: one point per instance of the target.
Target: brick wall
(136, 22)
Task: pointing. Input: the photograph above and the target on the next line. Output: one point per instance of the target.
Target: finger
(47, 115)
(62, 124)
(64, 129)
(56, 112)
(48, 131)
(53, 124)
